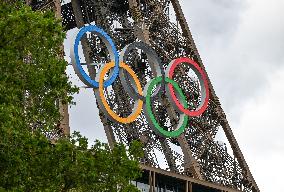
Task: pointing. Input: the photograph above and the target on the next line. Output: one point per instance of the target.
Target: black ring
(153, 58)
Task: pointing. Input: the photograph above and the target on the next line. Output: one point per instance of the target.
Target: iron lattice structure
(195, 153)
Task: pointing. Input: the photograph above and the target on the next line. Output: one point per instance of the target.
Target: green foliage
(32, 81)
(29, 162)
(32, 68)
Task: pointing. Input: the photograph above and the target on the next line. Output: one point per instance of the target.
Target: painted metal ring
(132, 86)
(183, 120)
(102, 100)
(111, 49)
(155, 65)
(203, 84)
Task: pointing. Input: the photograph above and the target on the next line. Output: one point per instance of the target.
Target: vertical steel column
(190, 163)
(190, 187)
(150, 181)
(154, 181)
(64, 123)
(63, 108)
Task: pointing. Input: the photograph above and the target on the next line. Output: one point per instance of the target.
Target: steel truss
(199, 155)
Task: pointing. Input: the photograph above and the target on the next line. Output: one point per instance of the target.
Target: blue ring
(103, 34)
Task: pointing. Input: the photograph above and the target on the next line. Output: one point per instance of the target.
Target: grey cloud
(240, 42)
(242, 62)
(211, 20)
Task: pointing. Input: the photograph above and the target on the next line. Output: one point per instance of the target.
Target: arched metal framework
(196, 153)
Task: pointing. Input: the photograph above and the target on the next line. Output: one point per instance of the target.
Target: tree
(32, 81)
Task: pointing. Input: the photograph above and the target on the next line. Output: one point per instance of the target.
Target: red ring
(174, 64)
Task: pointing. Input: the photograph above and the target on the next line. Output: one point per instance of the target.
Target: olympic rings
(131, 84)
(150, 116)
(103, 103)
(153, 61)
(203, 84)
(76, 60)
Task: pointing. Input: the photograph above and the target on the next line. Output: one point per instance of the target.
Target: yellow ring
(132, 117)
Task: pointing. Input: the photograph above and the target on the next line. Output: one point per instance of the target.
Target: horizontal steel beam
(188, 179)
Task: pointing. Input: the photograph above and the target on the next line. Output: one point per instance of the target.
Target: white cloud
(260, 134)
(245, 63)
(239, 57)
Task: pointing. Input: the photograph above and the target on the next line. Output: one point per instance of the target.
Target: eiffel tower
(193, 162)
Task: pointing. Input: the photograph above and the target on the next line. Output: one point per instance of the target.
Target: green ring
(157, 127)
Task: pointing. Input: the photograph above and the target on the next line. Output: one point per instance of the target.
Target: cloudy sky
(241, 43)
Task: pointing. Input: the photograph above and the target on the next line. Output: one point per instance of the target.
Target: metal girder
(148, 21)
(188, 180)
